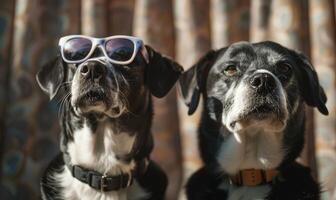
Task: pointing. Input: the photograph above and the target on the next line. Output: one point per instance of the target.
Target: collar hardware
(253, 177)
(103, 184)
(106, 183)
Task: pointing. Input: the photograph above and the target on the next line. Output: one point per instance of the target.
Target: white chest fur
(253, 149)
(245, 193)
(98, 151)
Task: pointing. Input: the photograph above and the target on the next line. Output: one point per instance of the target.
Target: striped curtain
(181, 29)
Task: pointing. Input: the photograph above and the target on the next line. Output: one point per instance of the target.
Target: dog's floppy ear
(161, 73)
(311, 91)
(51, 76)
(192, 82)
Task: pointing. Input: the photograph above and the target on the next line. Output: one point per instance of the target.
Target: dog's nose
(263, 82)
(92, 70)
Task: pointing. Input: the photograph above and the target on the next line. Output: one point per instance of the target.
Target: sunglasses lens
(120, 49)
(77, 48)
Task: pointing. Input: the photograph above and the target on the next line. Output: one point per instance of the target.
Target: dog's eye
(230, 70)
(284, 68)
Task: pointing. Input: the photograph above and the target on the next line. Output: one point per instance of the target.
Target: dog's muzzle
(91, 83)
(260, 100)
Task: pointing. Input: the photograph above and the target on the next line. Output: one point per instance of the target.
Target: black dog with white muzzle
(105, 87)
(252, 124)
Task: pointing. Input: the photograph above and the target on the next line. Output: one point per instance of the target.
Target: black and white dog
(105, 127)
(252, 124)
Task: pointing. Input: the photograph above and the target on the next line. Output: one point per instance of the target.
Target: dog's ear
(161, 73)
(311, 91)
(51, 76)
(192, 82)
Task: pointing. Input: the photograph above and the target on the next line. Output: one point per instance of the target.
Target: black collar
(106, 183)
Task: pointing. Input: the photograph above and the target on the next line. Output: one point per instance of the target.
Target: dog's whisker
(62, 103)
(62, 97)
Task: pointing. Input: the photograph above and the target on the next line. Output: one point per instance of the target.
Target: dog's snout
(93, 70)
(263, 82)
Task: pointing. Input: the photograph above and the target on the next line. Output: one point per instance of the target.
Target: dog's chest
(99, 150)
(245, 193)
(259, 150)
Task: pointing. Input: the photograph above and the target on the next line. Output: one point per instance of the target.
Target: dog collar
(106, 183)
(253, 177)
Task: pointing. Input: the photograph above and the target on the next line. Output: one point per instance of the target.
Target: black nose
(93, 70)
(263, 82)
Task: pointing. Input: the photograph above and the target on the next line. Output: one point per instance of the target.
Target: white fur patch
(97, 151)
(245, 192)
(255, 149)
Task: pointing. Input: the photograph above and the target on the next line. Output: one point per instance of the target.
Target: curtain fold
(94, 18)
(230, 21)
(260, 16)
(6, 36)
(117, 10)
(323, 50)
(153, 22)
(31, 125)
(192, 40)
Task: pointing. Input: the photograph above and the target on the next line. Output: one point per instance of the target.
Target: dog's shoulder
(295, 182)
(154, 181)
(50, 188)
(204, 184)
(209, 138)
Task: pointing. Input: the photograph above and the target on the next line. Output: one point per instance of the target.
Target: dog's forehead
(248, 52)
(239, 50)
(268, 53)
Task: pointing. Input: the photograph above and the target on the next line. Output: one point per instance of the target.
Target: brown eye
(230, 70)
(284, 68)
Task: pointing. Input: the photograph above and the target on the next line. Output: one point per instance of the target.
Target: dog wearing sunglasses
(252, 124)
(105, 87)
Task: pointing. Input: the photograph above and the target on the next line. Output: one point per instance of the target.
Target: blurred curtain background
(182, 29)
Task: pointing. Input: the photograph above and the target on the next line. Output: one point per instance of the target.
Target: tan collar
(253, 177)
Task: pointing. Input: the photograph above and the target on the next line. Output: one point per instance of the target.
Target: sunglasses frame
(101, 43)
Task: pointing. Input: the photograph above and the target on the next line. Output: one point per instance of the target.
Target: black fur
(156, 77)
(206, 76)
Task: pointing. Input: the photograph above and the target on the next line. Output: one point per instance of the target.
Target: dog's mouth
(260, 111)
(265, 115)
(91, 97)
(98, 101)
(91, 100)
(256, 112)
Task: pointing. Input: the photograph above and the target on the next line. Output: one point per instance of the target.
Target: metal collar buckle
(103, 183)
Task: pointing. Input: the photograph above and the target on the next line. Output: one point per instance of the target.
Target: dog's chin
(100, 110)
(97, 105)
(262, 119)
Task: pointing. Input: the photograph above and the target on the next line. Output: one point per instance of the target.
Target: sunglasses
(119, 49)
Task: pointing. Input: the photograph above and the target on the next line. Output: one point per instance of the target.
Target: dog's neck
(250, 149)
